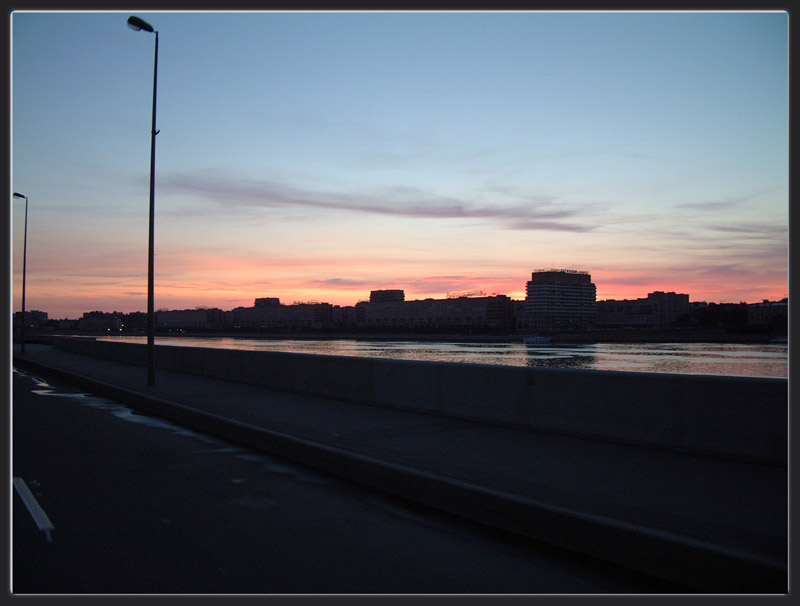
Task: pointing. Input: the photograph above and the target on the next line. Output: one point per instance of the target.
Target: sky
(317, 156)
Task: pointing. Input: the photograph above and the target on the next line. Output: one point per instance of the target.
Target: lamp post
(140, 25)
(24, 263)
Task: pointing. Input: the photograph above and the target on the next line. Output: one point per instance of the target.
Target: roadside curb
(680, 559)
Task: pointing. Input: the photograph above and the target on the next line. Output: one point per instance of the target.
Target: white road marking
(37, 513)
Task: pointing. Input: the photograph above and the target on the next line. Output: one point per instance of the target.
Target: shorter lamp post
(24, 263)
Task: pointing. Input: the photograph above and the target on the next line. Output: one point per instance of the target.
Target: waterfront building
(268, 313)
(199, 318)
(94, 321)
(559, 300)
(659, 310)
(394, 312)
(344, 316)
(384, 312)
(33, 318)
(669, 305)
(768, 313)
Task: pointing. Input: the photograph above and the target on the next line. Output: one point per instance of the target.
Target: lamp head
(139, 24)
(16, 195)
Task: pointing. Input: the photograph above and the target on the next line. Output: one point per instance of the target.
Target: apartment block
(94, 321)
(768, 313)
(559, 300)
(658, 310)
(395, 312)
(190, 318)
(33, 318)
(270, 314)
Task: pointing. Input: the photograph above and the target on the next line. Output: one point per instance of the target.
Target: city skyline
(309, 156)
(365, 299)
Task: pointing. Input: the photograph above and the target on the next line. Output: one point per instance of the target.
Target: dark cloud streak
(532, 214)
(716, 205)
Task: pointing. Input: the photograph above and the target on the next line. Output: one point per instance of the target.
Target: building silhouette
(200, 318)
(98, 321)
(659, 310)
(269, 313)
(769, 313)
(33, 319)
(384, 296)
(390, 310)
(559, 300)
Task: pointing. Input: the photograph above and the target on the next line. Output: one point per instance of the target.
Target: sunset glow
(319, 156)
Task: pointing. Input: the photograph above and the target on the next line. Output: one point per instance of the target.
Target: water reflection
(677, 358)
(555, 356)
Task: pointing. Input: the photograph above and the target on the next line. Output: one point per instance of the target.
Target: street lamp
(24, 263)
(140, 25)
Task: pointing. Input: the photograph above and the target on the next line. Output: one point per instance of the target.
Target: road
(133, 504)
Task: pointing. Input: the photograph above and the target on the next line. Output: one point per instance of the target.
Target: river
(724, 359)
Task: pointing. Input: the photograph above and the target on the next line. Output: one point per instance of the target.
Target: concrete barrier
(730, 416)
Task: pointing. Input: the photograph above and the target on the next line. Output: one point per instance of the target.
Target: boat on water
(537, 340)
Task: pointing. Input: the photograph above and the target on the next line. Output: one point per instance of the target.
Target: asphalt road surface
(122, 503)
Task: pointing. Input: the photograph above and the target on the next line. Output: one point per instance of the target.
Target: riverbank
(710, 335)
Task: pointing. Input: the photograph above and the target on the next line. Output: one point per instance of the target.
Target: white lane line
(37, 513)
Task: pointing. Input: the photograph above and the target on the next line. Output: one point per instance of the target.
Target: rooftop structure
(385, 296)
